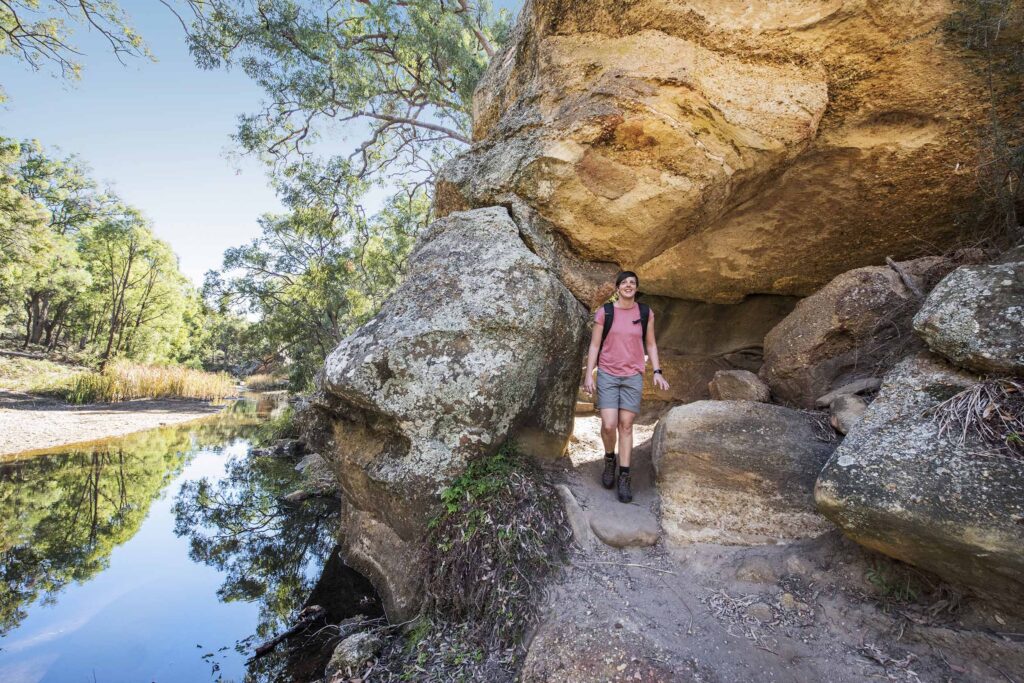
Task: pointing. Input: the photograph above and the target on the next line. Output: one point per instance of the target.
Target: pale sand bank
(30, 423)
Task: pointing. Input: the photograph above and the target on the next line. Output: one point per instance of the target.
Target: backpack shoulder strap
(609, 315)
(645, 315)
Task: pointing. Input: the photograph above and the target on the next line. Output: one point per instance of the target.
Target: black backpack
(609, 315)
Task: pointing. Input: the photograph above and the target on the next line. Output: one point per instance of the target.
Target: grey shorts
(622, 393)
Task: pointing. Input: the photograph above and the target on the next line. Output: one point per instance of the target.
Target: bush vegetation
(500, 536)
(280, 425)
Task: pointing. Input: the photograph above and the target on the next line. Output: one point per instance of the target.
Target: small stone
(353, 652)
(756, 571)
(856, 387)
(761, 612)
(633, 532)
(788, 601)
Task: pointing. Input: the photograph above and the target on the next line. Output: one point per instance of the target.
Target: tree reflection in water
(62, 515)
(271, 553)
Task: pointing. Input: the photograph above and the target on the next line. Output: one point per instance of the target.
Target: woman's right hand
(588, 383)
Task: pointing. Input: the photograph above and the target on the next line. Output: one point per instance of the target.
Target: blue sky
(158, 132)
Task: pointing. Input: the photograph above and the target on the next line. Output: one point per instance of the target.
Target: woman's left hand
(660, 382)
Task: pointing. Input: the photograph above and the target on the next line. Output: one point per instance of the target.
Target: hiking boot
(625, 493)
(608, 476)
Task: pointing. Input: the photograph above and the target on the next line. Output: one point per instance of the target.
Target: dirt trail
(29, 423)
(823, 609)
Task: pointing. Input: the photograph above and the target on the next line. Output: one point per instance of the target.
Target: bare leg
(625, 429)
(609, 424)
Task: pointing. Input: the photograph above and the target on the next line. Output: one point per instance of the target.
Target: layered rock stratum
(723, 148)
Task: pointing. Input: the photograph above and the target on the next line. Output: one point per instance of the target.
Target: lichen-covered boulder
(738, 385)
(721, 148)
(739, 472)
(481, 343)
(856, 326)
(897, 486)
(975, 318)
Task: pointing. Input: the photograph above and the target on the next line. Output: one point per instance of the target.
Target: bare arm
(652, 353)
(595, 349)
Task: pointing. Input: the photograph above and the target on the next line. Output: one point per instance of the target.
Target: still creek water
(162, 556)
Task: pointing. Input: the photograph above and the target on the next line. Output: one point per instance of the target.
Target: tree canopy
(40, 33)
(397, 76)
(364, 98)
(82, 268)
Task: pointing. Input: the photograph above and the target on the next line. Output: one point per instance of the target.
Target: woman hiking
(617, 350)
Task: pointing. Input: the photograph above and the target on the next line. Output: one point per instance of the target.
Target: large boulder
(900, 487)
(481, 343)
(739, 472)
(856, 326)
(975, 318)
(722, 148)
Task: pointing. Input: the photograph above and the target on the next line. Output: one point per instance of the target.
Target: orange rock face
(724, 148)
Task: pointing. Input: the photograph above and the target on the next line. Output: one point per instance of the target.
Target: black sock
(623, 470)
(609, 456)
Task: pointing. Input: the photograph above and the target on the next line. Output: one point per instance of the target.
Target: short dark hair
(623, 274)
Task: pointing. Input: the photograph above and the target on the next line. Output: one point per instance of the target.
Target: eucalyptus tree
(397, 75)
(136, 283)
(53, 276)
(364, 98)
(316, 273)
(39, 34)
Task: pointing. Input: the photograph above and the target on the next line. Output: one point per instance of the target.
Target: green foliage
(403, 71)
(399, 74)
(894, 582)
(79, 267)
(38, 34)
(483, 480)
(280, 425)
(314, 276)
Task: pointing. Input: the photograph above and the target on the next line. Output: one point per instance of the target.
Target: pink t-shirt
(623, 352)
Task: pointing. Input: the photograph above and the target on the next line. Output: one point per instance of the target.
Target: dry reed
(124, 381)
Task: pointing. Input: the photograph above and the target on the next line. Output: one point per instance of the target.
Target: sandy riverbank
(30, 423)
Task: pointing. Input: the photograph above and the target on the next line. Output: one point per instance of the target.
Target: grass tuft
(500, 533)
(991, 410)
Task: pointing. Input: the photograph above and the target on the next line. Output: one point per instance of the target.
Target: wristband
(658, 371)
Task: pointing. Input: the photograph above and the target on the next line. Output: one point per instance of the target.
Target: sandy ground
(29, 423)
(804, 611)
